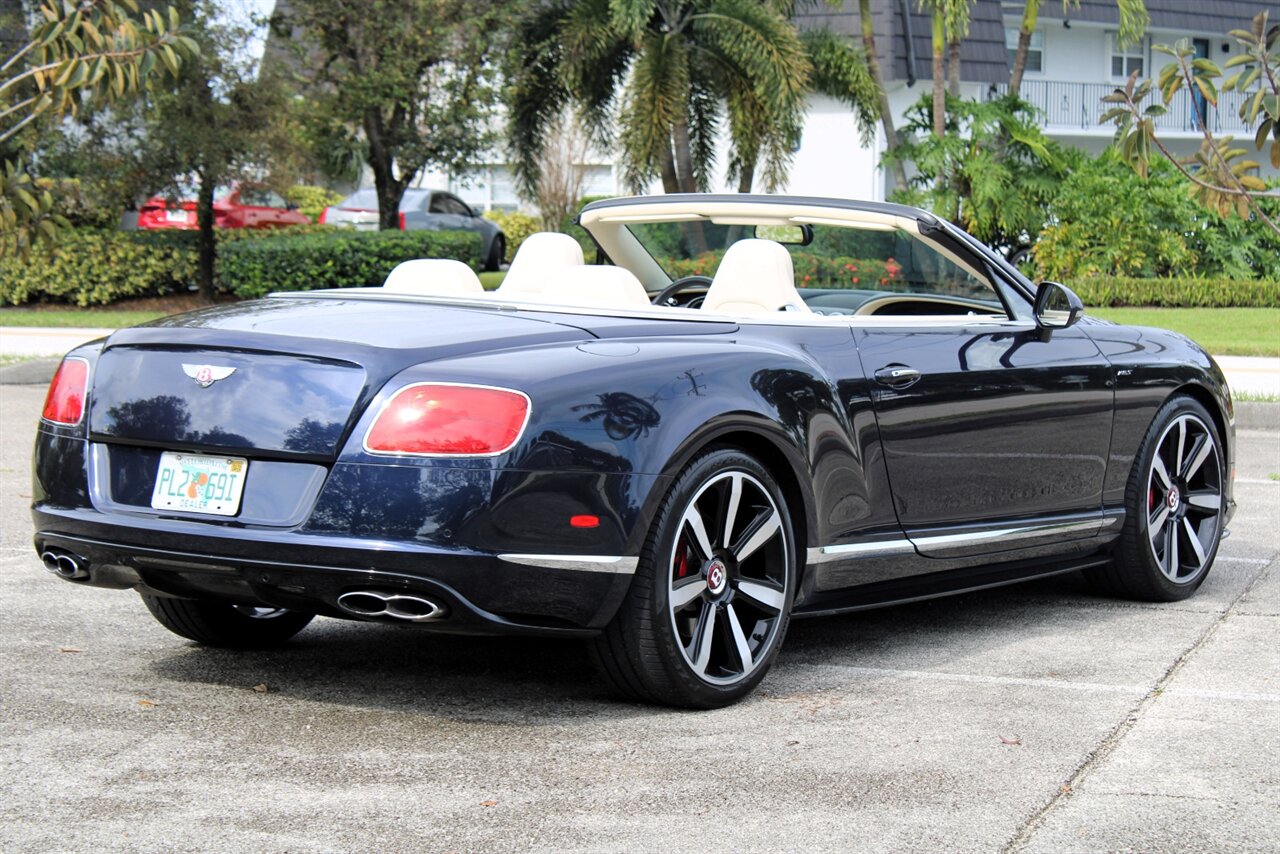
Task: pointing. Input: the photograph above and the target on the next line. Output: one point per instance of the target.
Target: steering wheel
(667, 295)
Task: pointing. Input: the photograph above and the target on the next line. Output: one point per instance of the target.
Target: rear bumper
(561, 595)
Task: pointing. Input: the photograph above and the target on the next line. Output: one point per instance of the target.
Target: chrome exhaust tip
(65, 564)
(374, 604)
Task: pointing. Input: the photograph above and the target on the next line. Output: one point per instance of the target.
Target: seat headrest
(755, 277)
(433, 277)
(541, 254)
(592, 287)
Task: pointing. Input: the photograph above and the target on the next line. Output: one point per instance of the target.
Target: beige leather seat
(592, 287)
(434, 277)
(541, 256)
(755, 277)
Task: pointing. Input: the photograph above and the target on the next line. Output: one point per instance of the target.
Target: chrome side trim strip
(903, 546)
(854, 551)
(1021, 532)
(616, 564)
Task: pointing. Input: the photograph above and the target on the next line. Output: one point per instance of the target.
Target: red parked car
(237, 206)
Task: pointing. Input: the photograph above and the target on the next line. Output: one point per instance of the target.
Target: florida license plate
(199, 483)
(176, 216)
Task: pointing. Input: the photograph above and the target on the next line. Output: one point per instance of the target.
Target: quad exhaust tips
(374, 604)
(64, 563)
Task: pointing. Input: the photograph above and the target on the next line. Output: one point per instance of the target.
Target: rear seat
(541, 257)
(591, 287)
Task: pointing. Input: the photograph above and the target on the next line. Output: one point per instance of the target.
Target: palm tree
(949, 21)
(867, 24)
(1133, 20)
(667, 68)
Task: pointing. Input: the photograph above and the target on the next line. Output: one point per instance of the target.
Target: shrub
(1186, 292)
(1109, 221)
(516, 226)
(252, 268)
(311, 201)
(80, 204)
(96, 267)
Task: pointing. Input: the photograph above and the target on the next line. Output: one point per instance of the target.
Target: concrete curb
(1256, 415)
(1250, 415)
(32, 372)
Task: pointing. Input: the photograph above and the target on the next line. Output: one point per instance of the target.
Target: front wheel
(1174, 508)
(224, 624)
(709, 605)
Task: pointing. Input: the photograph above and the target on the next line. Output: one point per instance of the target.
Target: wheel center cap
(1172, 498)
(717, 576)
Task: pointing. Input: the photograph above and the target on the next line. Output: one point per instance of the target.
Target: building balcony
(1077, 107)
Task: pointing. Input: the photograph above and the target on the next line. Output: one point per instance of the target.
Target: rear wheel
(709, 605)
(1174, 507)
(224, 624)
(497, 252)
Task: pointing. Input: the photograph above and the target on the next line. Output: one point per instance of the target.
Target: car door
(442, 214)
(995, 432)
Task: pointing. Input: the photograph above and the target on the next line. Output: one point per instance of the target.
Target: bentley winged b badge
(207, 375)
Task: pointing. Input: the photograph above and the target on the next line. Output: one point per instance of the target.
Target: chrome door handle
(897, 375)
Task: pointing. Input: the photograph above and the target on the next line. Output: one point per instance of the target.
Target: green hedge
(98, 266)
(1108, 291)
(252, 268)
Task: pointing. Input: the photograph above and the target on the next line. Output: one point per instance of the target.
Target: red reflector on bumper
(584, 521)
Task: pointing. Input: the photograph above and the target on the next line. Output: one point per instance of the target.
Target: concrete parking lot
(1033, 718)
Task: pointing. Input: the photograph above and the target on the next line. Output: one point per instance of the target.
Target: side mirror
(290, 206)
(1057, 306)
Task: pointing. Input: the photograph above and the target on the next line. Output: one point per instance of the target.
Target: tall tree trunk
(688, 183)
(206, 248)
(939, 75)
(953, 68)
(747, 178)
(1030, 14)
(882, 100)
(380, 159)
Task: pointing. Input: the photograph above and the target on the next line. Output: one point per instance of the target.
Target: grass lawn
(102, 318)
(1224, 331)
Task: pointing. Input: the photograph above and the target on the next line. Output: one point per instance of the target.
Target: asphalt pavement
(1034, 718)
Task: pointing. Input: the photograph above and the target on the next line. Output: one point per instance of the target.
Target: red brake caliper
(682, 562)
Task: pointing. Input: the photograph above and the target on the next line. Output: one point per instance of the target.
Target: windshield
(836, 257)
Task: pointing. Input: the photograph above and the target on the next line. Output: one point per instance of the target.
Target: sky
(243, 12)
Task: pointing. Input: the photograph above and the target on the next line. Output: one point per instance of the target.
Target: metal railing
(1079, 106)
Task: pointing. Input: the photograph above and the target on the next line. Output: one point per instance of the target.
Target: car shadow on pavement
(540, 681)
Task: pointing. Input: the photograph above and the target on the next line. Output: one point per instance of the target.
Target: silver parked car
(433, 210)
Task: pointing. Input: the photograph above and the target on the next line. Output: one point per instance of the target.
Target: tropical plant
(99, 50)
(417, 77)
(993, 171)
(866, 24)
(1222, 178)
(949, 23)
(662, 69)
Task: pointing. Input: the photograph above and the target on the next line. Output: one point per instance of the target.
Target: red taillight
(324, 214)
(401, 216)
(439, 419)
(64, 404)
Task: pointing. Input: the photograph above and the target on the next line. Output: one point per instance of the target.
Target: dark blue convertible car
(746, 409)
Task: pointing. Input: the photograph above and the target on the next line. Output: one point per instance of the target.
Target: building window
(1126, 60)
(1035, 50)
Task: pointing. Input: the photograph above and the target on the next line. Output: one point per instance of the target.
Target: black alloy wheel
(711, 599)
(1174, 508)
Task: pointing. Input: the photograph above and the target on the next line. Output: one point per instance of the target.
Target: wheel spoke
(1200, 451)
(762, 534)
(693, 519)
(1205, 499)
(739, 639)
(1171, 550)
(731, 507)
(1157, 521)
(759, 594)
(1161, 472)
(686, 593)
(705, 634)
(1196, 546)
(1182, 441)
